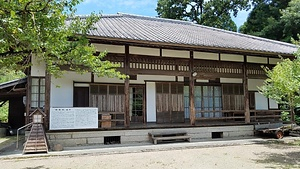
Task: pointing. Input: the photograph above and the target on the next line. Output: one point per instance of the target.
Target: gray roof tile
(133, 27)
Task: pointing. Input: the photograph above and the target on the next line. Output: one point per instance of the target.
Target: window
(208, 100)
(37, 92)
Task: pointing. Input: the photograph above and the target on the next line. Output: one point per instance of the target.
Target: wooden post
(246, 92)
(126, 90)
(28, 98)
(191, 90)
(47, 99)
(92, 77)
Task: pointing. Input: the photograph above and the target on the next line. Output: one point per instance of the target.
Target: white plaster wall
(254, 59)
(253, 83)
(140, 79)
(62, 88)
(144, 51)
(38, 67)
(151, 101)
(232, 57)
(180, 78)
(230, 80)
(109, 48)
(261, 102)
(206, 55)
(107, 80)
(202, 80)
(143, 78)
(274, 60)
(176, 53)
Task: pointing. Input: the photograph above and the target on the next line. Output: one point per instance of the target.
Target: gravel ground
(266, 155)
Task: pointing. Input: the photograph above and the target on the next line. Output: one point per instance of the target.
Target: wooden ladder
(36, 142)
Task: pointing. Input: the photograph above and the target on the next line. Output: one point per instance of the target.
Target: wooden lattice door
(169, 103)
(137, 104)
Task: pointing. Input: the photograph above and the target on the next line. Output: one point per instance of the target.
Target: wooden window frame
(39, 93)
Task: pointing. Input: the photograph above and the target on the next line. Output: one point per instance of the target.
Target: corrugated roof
(13, 83)
(150, 29)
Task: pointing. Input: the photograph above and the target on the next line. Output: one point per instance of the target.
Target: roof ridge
(157, 18)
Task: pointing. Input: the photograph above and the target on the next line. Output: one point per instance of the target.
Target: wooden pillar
(126, 66)
(246, 92)
(47, 99)
(28, 98)
(191, 90)
(92, 77)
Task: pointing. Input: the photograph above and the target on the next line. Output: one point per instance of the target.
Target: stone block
(57, 147)
(131, 139)
(54, 136)
(98, 140)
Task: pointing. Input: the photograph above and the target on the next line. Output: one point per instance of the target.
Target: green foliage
(273, 19)
(291, 19)
(4, 113)
(285, 116)
(283, 83)
(38, 28)
(214, 13)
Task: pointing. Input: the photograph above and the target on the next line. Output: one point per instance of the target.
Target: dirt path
(241, 156)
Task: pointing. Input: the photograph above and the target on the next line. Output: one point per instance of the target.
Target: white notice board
(73, 118)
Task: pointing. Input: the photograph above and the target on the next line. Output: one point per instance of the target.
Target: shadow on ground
(37, 167)
(282, 160)
(8, 145)
(285, 160)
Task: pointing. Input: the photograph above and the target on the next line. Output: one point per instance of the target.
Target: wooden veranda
(177, 100)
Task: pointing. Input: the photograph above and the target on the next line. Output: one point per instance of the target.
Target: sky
(138, 7)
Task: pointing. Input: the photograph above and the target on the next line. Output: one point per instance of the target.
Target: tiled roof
(159, 30)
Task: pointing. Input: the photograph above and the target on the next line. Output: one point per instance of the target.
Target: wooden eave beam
(117, 41)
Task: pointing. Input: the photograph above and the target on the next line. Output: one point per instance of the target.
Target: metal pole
(17, 145)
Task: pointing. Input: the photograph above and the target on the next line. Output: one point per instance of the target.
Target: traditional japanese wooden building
(182, 76)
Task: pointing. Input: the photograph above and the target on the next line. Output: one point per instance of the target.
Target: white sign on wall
(73, 118)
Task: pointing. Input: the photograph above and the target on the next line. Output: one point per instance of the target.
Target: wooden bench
(169, 136)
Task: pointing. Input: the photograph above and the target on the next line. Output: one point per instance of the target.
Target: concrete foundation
(71, 139)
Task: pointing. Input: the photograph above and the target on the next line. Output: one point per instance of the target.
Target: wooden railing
(155, 63)
(161, 64)
(265, 115)
(205, 66)
(238, 115)
(219, 115)
(112, 120)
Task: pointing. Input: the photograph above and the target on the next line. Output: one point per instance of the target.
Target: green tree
(38, 28)
(291, 19)
(283, 83)
(273, 19)
(214, 13)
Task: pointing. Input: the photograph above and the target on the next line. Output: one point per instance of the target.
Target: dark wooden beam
(28, 98)
(47, 99)
(191, 90)
(92, 77)
(126, 66)
(246, 92)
